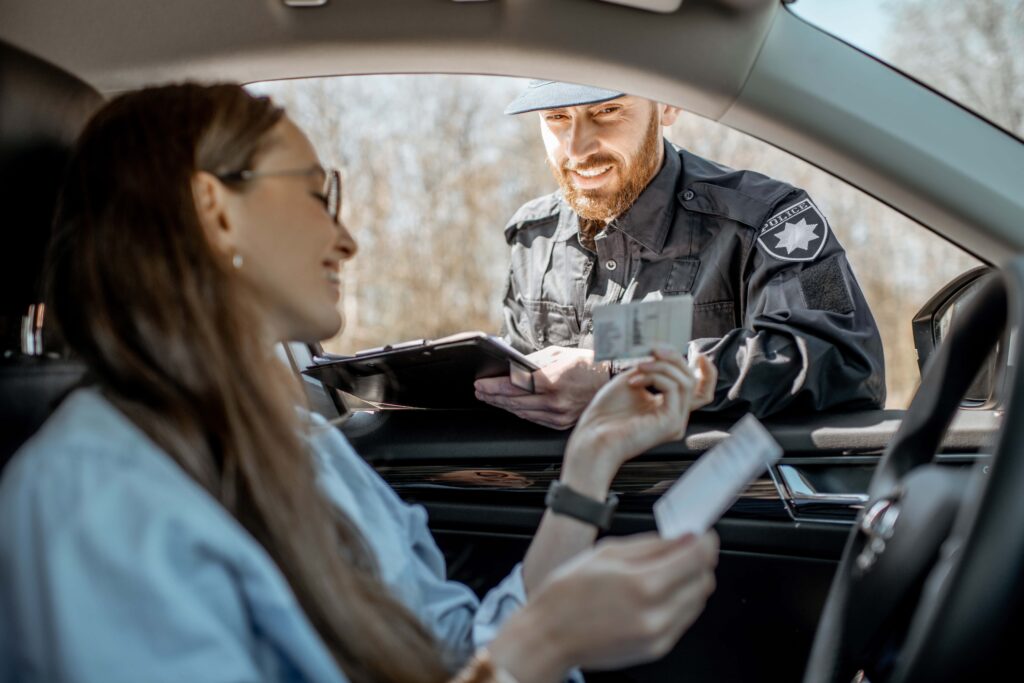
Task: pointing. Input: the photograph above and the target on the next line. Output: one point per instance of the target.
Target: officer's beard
(605, 204)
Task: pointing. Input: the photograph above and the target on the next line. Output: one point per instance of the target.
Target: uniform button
(688, 195)
(610, 264)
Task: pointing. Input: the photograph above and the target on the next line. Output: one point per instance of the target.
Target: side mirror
(933, 321)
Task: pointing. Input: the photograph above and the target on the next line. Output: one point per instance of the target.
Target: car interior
(797, 596)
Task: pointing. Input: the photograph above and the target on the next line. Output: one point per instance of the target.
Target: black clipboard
(425, 373)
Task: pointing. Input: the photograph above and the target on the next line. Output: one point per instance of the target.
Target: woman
(168, 522)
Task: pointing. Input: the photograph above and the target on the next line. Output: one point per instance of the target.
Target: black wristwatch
(563, 500)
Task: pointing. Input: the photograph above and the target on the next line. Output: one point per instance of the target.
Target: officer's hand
(707, 376)
(567, 380)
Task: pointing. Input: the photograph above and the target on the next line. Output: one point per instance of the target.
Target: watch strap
(564, 500)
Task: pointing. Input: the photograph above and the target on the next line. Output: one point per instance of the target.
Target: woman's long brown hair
(174, 341)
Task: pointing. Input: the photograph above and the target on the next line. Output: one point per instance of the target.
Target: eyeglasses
(330, 195)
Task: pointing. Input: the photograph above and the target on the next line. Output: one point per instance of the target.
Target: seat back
(42, 110)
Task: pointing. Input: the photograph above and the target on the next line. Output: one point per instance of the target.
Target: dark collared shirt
(776, 305)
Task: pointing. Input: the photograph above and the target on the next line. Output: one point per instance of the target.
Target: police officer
(776, 306)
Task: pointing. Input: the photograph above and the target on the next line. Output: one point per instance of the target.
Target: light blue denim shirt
(116, 566)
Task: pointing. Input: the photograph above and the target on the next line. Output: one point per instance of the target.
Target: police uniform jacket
(776, 305)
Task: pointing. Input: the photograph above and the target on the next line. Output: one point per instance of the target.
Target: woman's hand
(626, 419)
(626, 601)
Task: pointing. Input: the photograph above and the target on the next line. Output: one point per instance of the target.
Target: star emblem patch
(797, 233)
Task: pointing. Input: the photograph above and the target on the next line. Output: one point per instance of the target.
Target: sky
(863, 23)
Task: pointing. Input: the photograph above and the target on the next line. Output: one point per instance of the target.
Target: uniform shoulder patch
(534, 211)
(797, 233)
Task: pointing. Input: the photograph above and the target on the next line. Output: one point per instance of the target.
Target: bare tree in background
(433, 170)
(971, 50)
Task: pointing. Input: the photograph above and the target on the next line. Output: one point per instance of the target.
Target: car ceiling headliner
(698, 57)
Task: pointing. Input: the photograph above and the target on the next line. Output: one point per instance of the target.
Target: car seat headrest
(42, 110)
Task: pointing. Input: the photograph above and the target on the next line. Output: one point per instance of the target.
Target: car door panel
(482, 476)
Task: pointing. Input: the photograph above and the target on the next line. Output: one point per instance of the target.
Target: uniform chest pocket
(553, 324)
(682, 275)
(714, 319)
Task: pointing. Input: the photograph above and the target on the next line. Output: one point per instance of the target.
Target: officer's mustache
(589, 164)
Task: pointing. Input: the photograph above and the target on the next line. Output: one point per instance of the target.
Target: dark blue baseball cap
(554, 95)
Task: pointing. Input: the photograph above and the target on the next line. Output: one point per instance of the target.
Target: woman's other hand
(626, 601)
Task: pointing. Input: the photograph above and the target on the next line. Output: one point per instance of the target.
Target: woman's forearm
(529, 648)
(560, 537)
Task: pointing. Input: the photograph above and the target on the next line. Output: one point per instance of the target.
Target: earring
(236, 261)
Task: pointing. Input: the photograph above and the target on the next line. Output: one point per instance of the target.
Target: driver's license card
(706, 490)
(631, 330)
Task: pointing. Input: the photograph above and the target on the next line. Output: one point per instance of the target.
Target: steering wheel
(933, 568)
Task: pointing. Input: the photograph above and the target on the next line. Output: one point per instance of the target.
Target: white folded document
(712, 484)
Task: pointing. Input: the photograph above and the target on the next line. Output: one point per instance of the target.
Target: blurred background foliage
(433, 170)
